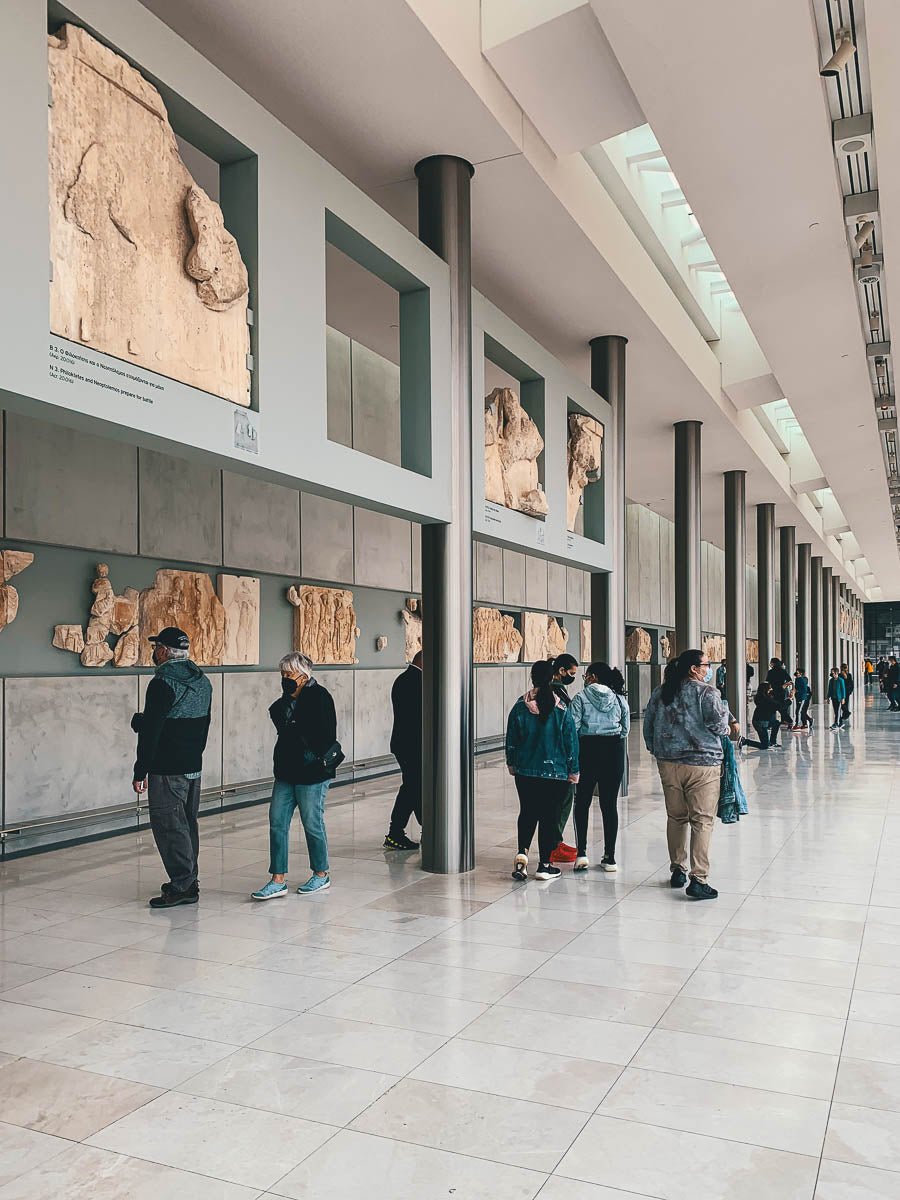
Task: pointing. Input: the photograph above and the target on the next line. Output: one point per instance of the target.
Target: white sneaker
(608, 864)
(520, 868)
(581, 863)
(547, 871)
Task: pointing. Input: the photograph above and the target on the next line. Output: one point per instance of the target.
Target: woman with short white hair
(307, 755)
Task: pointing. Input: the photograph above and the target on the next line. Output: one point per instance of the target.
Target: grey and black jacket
(174, 725)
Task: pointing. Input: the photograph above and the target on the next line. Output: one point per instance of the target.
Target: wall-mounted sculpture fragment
(68, 637)
(110, 616)
(188, 600)
(239, 595)
(714, 647)
(411, 616)
(381, 643)
(585, 454)
(666, 642)
(544, 636)
(495, 638)
(143, 267)
(752, 650)
(14, 561)
(512, 444)
(325, 628)
(585, 641)
(638, 646)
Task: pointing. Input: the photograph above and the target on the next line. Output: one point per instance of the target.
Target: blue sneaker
(315, 883)
(269, 891)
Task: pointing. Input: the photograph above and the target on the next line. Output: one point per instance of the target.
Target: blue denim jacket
(543, 749)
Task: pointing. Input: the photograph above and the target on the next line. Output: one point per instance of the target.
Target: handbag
(329, 760)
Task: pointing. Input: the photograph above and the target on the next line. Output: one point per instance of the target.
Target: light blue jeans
(310, 799)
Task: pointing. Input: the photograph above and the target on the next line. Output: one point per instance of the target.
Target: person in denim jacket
(542, 755)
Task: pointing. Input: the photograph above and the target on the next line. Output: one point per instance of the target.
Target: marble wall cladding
(556, 587)
(648, 566)
(515, 684)
(170, 490)
(372, 713)
(249, 734)
(326, 550)
(261, 525)
(340, 684)
(375, 396)
(489, 715)
(513, 578)
(383, 550)
(69, 488)
(488, 573)
(536, 582)
(339, 406)
(632, 563)
(69, 746)
(416, 535)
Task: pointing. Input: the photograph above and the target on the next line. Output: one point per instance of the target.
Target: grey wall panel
(574, 590)
(489, 720)
(535, 582)
(373, 716)
(69, 488)
(383, 550)
(416, 535)
(648, 571)
(180, 509)
(513, 577)
(488, 573)
(337, 358)
(340, 684)
(326, 549)
(248, 735)
(557, 600)
(515, 683)
(632, 562)
(669, 587)
(261, 525)
(69, 745)
(375, 392)
(704, 587)
(380, 613)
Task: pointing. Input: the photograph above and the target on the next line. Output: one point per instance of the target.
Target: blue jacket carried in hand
(542, 749)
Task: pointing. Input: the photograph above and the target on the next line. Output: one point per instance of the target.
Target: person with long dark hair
(602, 719)
(542, 755)
(683, 724)
(766, 719)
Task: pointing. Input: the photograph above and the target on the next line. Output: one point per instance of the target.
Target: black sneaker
(700, 891)
(399, 843)
(679, 879)
(171, 898)
(167, 887)
(547, 871)
(608, 863)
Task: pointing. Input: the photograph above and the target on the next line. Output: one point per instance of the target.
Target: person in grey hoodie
(602, 719)
(683, 727)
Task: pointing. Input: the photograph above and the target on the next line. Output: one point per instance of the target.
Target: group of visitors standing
(887, 671)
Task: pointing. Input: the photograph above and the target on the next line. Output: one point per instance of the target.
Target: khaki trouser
(692, 798)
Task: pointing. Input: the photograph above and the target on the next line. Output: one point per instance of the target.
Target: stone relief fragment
(411, 616)
(714, 647)
(638, 646)
(143, 268)
(585, 641)
(666, 643)
(585, 455)
(544, 636)
(495, 638)
(325, 628)
(512, 444)
(186, 599)
(110, 616)
(14, 561)
(239, 595)
(68, 637)
(752, 650)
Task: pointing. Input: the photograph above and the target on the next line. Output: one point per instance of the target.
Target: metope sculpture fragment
(13, 562)
(512, 444)
(325, 628)
(585, 455)
(495, 638)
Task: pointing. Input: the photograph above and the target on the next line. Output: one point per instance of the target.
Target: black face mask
(288, 685)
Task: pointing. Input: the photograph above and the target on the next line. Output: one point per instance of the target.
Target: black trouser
(802, 710)
(836, 709)
(539, 805)
(845, 709)
(409, 797)
(768, 733)
(891, 690)
(173, 802)
(602, 763)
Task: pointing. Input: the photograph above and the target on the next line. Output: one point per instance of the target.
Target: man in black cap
(172, 732)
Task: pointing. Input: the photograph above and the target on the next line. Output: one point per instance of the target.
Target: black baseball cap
(175, 639)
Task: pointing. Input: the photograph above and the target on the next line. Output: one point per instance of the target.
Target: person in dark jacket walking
(172, 732)
(565, 672)
(542, 755)
(780, 681)
(802, 698)
(837, 694)
(306, 758)
(406, 747)
(847, 677)
(892, 683)
(766, 719)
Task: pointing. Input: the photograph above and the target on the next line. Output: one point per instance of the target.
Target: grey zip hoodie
(598, 711)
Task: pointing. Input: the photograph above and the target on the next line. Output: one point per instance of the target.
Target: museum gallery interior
(496, 332)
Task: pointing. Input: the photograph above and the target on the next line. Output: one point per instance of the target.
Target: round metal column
(687, 535)
(448, 777)
(735, 594)
(827, 628)
(787, 545)
(804, 613)
(608, 590)
(765, 584)
(817, 671)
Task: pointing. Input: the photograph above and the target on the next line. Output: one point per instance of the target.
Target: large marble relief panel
(495, 638)
(143, 267)
(585, 456)
(512, 445)
(325, 628)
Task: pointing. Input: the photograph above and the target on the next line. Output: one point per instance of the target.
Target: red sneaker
(564, 854)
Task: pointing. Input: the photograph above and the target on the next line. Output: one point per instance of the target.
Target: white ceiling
(369, 88)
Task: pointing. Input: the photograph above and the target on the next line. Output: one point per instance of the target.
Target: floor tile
(630, 976)
(777, 994)
(869, 978)
(796, 1031)
(210, 1017)
(145, 966)
(844, 1181)
(481, 986)
(27, 1030)
(587, 1000)
(68, 991)
(213, 947)
(577, 1037)
(64, 1102)
(239, 1145)
(106, 931)
(870, 1084)
(141, 1055)
(22, 1150)
(312, 960)
(272, 989)
(476, 957)
(442, 1015)
(760, 965)
(514, 936)
(350, 1043)
(874, 1042)
(41, 950)
(13, 974)
(881, 1008)
(867, 1136)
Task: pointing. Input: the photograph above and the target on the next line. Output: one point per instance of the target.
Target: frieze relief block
(666, 644)
(14, 562)
(239, 595)
(325, 628)
(714, 647)
(585, 456)
(143, 268)
(545, 637)
(512, 444)
(495, 638)
(411, 615)
(585, 641)
(110, 615)
(638, 646)
(752, 650)
(188, 600)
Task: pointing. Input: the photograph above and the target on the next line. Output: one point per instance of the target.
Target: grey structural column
(736, 594)
(687, 535)
(448, 727)
(804, 613)
(836, 618)
(787, 545)
(765, 584)
(608, 590)
(817, 650)
(827, 627)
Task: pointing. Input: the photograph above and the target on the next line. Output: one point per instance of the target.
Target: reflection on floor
(406, 1036)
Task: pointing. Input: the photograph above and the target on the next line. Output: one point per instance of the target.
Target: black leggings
(602, 767)
(540, 801)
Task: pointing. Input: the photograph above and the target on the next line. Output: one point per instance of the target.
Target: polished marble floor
(408, 1037)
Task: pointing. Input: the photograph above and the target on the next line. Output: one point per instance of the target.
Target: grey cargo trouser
(174, 801)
